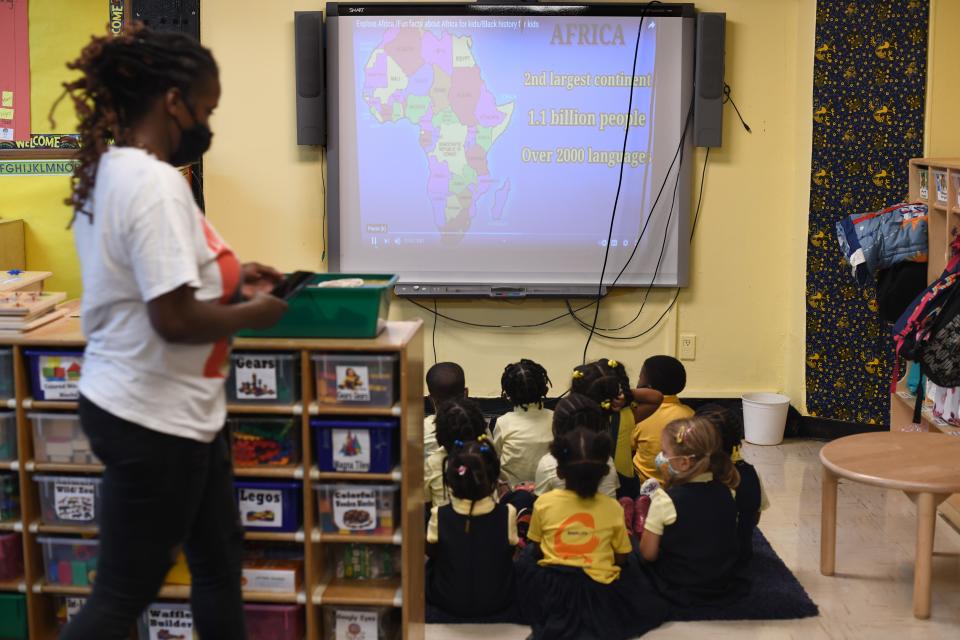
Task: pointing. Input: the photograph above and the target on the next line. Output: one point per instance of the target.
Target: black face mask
(194, 141)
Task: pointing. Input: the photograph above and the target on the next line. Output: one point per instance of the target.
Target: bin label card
(355, 509)
(60, 377)
(353, 384)
(351, 449)
(75, 501)
(73, 607)
(256, 377)
(169, 623)
(356, 625)
(261, 507)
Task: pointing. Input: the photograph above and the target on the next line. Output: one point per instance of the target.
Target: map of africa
(434, 83)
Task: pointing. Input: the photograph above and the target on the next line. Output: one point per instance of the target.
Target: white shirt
(547, 479)
(148, 238)
(521, 438)
(429, 436)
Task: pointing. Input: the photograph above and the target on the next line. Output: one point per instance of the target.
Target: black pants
(159, 493)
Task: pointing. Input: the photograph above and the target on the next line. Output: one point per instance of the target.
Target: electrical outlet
(688, 346)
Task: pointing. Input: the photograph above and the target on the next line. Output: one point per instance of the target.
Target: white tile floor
(869, 597)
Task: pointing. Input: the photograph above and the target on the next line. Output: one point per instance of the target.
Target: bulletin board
(57, 31)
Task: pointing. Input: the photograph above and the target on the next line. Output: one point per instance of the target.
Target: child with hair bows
(471, 540)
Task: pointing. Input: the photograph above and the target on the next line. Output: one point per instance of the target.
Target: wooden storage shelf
(340, 410)
(372, 593)
(343, 476)
(13, 585)
(939, 236)
(13, 465)
(407, 592)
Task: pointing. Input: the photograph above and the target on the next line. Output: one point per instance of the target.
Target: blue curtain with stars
(869, 84)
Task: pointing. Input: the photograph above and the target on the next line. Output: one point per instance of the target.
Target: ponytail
(698, 439)
(724, 470)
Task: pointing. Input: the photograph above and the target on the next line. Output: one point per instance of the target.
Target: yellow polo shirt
(580, 532)
(646, 436)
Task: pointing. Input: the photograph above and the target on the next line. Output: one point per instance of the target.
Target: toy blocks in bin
(55, 375)
(365, 446)
(369, 623)
(57, 437)
(8, 436)
(363, 509)
(70, 561)
(13, 616)
(365, 561)
(166, 621)
(356, 379)
(11, 557)
(264, 441)
(269, 506)
(9, 497)
(264, 377)
(275, 621)
(6, 374)
(69, 500)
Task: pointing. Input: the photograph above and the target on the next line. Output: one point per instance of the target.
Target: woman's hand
(258, 278)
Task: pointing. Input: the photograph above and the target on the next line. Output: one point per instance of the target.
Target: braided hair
(471, 471)
(459, 420)
(582, 457)
(603, 381)
(576, 411)
(121, 78)
(525, 383)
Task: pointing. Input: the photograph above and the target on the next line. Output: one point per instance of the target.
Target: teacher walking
(162, 295)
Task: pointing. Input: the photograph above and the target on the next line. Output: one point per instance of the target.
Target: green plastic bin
(356, 312)
(13, 616)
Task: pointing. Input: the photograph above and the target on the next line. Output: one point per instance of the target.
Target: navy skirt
(564, 603)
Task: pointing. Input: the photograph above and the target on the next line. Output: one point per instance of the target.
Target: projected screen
(473, 145)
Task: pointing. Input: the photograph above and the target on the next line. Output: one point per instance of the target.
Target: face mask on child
(663, 461)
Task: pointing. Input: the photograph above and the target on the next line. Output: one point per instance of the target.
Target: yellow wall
(745, 304)
(942, 127)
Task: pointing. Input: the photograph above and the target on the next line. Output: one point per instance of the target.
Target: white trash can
(765, 417)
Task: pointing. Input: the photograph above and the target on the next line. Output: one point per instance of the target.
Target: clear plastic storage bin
(8, 436)
(55, 375)
(364, 509)
(9, 496)
(274, 621)
(262, 441)
(69, 500)
(70, 561)
(356, 379)
(6, 374)
(11, 557)
(269, 506)
(264, 377)
(369, 623)
(364, 446)
(166, 621)
(57, 437)
(365, 561)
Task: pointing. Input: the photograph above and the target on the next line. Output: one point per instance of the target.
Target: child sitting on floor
(573, 412)
(470, 542)
(574, 579)
(458, 420)
(445, 381)
(751, 498)
(522, 436)
(690, 537)
(666, 375)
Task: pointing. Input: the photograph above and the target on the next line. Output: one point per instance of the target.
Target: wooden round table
(926, 466)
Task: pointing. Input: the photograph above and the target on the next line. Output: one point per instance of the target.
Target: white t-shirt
(521, 438)
(148, 238)
(547, 479)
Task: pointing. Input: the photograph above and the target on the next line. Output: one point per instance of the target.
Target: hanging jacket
(881, 239)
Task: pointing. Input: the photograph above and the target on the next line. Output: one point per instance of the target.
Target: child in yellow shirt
(666, 375)
(523, 435)
(574, 578)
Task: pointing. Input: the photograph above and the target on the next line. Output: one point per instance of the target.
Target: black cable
(323, 181)
(434, 337)
(728, 98)
(616, 198)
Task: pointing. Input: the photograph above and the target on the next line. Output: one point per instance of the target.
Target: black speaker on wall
(708, 80)
(169, 15)
(311, 101)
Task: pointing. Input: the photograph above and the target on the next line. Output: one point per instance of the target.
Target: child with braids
(576, 579)
(522, 436)
(458, 421)
(606, 382)
(162, 296)
(575, 411)
(690, 539)
(470, 542)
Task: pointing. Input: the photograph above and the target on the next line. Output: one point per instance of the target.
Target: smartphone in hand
(292, 284)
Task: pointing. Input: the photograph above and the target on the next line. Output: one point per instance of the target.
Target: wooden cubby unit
(405, 592)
